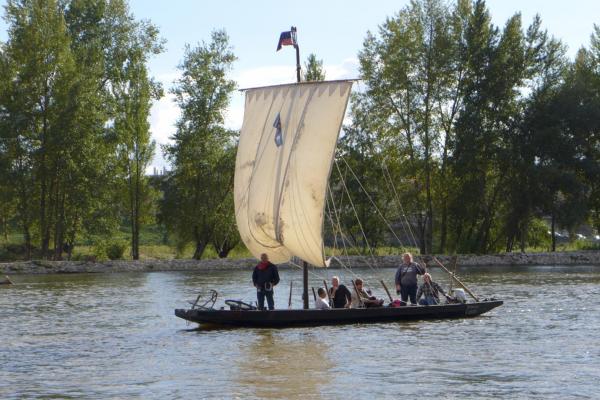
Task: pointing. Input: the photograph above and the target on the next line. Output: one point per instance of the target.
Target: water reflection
(278, 365)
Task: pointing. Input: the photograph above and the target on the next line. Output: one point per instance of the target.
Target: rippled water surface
(115, 336)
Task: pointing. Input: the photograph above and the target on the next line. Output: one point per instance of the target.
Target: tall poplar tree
(404, 77)
(135, 148)
(42, 85)
(197, 187)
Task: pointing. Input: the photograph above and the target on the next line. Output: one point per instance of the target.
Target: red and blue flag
(285, 39)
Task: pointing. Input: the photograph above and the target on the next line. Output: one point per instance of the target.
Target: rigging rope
(373, 203)
(343, 238)
(357, 218)
(339, 227)
(391, 183)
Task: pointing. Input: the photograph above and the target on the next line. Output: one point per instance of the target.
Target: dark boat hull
(290, 318)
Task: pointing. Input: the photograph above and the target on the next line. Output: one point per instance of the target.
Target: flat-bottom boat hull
(312, 317)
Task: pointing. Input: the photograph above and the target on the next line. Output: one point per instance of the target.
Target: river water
(115, 336)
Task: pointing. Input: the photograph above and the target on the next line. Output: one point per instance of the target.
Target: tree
(405, 71)
(8, 194)
(447, 94)
(493, 154)
(41, 105)
(351, 207)
(133, 92)
(314, 69)
(135, 149)
(565, 132)
(225, 234)
(62, 66)
(196, 188)
(592, 144)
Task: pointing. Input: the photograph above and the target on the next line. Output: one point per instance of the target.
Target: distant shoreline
(591, 257)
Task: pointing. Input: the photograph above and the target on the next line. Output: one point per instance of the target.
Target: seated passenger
(366, 300)
(322, 302)
(430, 292)
(339, 294)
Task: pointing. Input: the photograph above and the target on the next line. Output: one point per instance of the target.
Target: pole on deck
(290, 299)
(305, 284)
(386, 290)
(454, 262)
(360, 302)
(327, 291)
(295, 39)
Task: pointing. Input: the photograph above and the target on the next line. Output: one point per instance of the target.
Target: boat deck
(313, 317)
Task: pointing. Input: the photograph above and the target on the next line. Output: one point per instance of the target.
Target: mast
(304, 263)
(294, 38)
(305, 284)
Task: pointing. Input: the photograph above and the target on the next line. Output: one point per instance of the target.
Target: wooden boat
(284, 159)
(311, 317)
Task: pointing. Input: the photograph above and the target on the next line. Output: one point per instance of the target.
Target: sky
(334, 30)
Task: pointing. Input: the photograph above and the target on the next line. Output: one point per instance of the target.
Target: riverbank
(591, 257)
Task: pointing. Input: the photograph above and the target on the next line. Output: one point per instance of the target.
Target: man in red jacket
(264, 278)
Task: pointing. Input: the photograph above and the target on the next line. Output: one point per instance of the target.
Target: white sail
(284, 159)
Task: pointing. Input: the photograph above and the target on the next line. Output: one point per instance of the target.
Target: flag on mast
(285, 39)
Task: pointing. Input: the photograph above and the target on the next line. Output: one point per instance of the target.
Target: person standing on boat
(339, 294)
(264, 278)
(430, 292)
(406, 278)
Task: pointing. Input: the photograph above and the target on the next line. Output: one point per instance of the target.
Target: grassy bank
(155, 245)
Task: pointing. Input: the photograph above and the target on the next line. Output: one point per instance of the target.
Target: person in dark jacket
(264, 278)
(406, 278)
(339, 294)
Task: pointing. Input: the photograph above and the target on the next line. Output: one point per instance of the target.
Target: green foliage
(197, 193)
(586, 245)
(313, 69)
(463, 135)
(74, 92)
(115, 250)
(483, 129)
(110, 249)
(135, 150)
(537, 235)
(412, 71)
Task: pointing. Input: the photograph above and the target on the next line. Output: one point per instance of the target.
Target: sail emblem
(278, 132)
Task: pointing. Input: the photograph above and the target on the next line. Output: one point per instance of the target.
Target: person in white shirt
(322, 302)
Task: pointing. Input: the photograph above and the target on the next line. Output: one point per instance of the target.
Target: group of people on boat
(266, 276)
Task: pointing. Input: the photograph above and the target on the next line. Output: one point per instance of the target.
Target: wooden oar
(386, 290)
(314, 294)
(455, 278)
(454, 262)
(360, 302)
